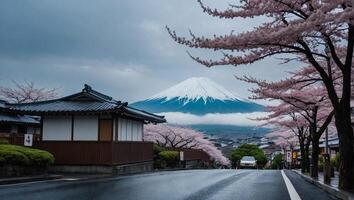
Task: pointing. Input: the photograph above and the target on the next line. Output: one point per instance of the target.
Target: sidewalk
(332, 188)
(334, 180)
(25, 179)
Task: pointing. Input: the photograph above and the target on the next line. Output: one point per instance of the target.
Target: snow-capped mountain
(199, 96)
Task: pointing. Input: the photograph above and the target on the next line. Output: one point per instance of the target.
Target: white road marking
(29, 183)
(70, 179)
(292, 192)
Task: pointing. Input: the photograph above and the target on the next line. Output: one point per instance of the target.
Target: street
(188, 185)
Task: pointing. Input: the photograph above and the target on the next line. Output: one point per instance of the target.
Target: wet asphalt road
(183, 185)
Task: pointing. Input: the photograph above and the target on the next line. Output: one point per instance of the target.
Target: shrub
(11, 157)
(320, 163)
(277, 161)
(335, 161)
(24, 156)
(158, 163)
(170, 158)
(157, 149)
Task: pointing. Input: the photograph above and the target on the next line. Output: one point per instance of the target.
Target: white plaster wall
(130, 130)
(57, 128)
(86, 128)
(123, 131)
(134, 130)
(137, 131)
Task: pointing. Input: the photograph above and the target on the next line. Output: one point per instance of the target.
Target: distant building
(333, 142)
(333, 146)
(13, 126)
(270, 149)
(90, 129)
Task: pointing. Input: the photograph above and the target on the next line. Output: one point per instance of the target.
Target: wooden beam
(41, 131)
(72, 127)
(99, 124)
(116, 130)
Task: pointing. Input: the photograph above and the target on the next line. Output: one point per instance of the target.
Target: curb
(329, 189)
(8, 181)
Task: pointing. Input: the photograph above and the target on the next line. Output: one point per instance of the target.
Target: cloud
(121, 47)
(238, 119)
(124, 81)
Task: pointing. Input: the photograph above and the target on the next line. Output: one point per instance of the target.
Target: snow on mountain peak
(195, 88)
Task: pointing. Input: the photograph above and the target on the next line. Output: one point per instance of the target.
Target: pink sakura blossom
(283, 138)
(305, 110)
(180, 137)
(318, 33)
(301, 94)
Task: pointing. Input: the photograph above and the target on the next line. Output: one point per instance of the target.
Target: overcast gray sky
(119, 47)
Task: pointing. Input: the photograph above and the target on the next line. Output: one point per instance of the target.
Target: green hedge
(24, 156)
(169, 155)
(169, 159)
(336, 161)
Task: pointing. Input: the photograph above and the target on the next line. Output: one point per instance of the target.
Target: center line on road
(292, 192)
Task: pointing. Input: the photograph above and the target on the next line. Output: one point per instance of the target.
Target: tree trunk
(303, 159)
(306, 156)
(314, 155)
(346, 149)
(315, 146)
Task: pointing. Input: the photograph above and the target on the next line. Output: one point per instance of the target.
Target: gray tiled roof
(143, 114)
(88, 100)
(19, 119)
(334, 142)
(63, 106)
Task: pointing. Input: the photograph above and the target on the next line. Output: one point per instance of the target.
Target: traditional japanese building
(91, 132)
(13, 126)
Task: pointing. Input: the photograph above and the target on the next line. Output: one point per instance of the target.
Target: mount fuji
(198, 96)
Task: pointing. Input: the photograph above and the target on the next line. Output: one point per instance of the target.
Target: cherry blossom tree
(316, 32)
(293, 128)
(283, 137)
(26, 92)
(180, 137)
(300, 98)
